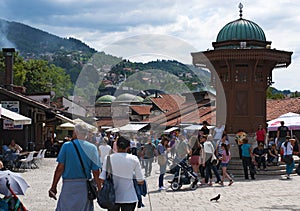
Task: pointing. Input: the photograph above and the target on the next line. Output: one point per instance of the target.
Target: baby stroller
(183, 175)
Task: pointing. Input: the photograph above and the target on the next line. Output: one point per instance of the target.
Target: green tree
(40, 76)
(295, 94)
(19, 71)
(273, 93)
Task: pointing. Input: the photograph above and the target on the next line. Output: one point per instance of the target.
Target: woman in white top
(217, 133)
(124, 166)
(287, 152)
(104, 150)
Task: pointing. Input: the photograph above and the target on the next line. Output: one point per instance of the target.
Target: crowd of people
(128, 156)
(206, 151)
(197, 149)
(268, 151)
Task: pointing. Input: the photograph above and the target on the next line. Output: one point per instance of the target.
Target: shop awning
(18, 119)
(171, 130)
(132, 127)
(64, 118)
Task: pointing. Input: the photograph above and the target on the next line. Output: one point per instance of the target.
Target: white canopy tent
(131, 127)
(106, 127)
(291, 120)
(170, 130)
(17, 119)
(112, 130)
(197, 127)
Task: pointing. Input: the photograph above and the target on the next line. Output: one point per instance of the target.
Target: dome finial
(241, 11)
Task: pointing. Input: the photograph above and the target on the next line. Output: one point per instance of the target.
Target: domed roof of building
(148, 99)
(106, 99)
(241, 29)
(129, 98)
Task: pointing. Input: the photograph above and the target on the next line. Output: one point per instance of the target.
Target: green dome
(147, 99)
(241, 29)
(106, 99)
(129, 98)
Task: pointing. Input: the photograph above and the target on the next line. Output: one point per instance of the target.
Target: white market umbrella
(66, 126)
(291, 120)
(89, 126)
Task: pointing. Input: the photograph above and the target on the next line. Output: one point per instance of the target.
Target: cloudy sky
(171, 29)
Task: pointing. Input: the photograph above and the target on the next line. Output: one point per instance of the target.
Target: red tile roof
(188, 113)
(104, 122)
(193, 117)
(141, 109)
(167, 103)
(276, 108)
(179, 111)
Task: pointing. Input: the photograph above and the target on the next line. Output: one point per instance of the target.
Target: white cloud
(102, 23)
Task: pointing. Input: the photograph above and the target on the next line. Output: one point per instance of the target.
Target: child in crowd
(224, 163)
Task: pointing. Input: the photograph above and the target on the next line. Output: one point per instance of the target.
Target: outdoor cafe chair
(43, 154)
(27, 162)
(36, 160)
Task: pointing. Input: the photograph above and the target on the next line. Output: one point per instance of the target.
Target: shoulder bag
(214, 160)
(91, 185)
(106, 196)
(288, 159)
(161, 158)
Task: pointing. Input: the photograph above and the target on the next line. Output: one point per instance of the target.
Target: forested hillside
(63, 59)
(33, 42)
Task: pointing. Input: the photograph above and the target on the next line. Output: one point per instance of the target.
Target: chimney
(8, 54)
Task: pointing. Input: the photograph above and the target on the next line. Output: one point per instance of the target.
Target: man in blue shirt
(73, 195)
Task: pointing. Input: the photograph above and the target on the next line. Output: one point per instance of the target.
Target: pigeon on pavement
(216, 198)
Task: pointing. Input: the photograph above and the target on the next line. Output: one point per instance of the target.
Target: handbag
(214, 160)
(161, 160)
(288, 159)
(106, 196)
(92, 189)
(91, 184)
